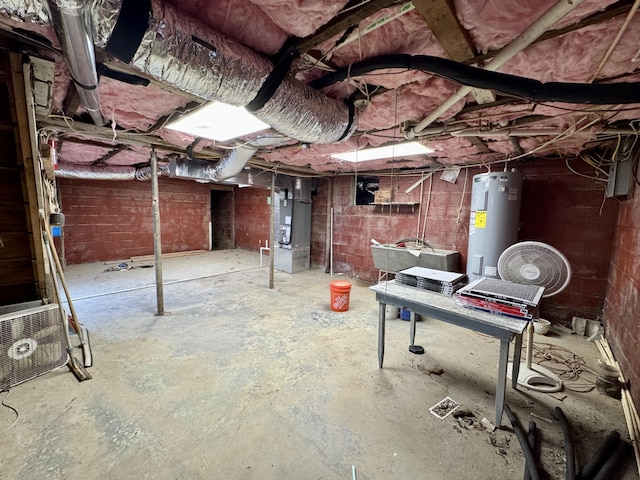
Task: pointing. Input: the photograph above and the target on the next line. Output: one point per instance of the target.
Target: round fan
(535, 263)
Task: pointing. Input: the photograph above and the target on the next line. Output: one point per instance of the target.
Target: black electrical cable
(531, 440)
(598, 459)
(512, 85)
(568, 444)
(530, 464)
(615, 461)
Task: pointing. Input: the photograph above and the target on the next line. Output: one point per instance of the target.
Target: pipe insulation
(88, 172)
(512, 85)
(182, 52)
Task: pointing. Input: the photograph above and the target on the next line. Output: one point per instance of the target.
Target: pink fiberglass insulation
(495, 23)
(407, 103)
(407, 34)
(574, 57)
(300, 17)
(238, 19)
(79, 153)
(136, 107)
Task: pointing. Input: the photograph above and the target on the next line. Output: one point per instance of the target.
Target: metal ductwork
(88, 172)
(69, 19)
(232, 164)
(201, 170)
(162, 42)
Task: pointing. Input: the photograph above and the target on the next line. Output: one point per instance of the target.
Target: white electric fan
(535, 263)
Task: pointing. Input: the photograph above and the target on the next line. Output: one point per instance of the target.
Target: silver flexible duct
(89, 172)
(184, 53)
(232, 164)
(69, 21)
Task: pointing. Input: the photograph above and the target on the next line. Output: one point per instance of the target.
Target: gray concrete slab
(238, 381)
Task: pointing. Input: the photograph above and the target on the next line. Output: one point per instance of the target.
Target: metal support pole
(327, 243)
(272, 239)
(157, 242)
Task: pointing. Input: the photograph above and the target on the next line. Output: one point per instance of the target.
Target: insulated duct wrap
(184, 53)
(232, 164)
(30, 11)
(95, 173)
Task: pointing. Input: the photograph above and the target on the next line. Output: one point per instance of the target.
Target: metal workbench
(441, 307)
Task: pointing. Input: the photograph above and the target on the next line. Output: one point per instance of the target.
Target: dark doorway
(222, 220)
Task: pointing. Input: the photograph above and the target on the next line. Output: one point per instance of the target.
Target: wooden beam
(479, 144)
(109, 155)
(442, 20)
(340, 23)
(441, 17)
(72, 101)
(28, 153)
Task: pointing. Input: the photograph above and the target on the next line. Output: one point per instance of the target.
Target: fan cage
(32, 343)
(552, 267)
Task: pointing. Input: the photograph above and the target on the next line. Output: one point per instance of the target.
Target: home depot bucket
(340, 290)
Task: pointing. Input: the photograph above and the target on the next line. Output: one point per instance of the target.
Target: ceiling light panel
(218, 121)
(387, 151)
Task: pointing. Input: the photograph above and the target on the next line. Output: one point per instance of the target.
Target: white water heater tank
(494, 221)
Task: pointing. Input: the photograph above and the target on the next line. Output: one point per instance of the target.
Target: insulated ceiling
(194, 51)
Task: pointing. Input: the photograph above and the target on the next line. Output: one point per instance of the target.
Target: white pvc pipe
(526, 38)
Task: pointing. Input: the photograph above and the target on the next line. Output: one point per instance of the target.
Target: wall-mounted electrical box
(620, 183)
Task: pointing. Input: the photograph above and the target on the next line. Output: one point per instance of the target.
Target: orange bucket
(340, 290)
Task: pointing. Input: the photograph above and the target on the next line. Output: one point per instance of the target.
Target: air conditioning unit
(32, 342)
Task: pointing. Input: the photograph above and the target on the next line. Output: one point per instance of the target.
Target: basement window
(365, 189)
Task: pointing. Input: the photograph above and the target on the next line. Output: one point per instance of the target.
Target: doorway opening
(222, 232)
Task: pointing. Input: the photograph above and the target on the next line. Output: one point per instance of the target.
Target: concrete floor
(238, 381)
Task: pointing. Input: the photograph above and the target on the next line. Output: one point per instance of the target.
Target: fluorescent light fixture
(387, 151)
(218, 121)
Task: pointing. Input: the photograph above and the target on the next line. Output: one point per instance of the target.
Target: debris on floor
(444, 407)
(431, 371)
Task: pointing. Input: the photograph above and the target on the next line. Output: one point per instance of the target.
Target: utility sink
(392, 258)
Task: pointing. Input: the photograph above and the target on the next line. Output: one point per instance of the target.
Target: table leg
(417, 349)
(502, 379)
(412, 328)
(381, 326)
(516, 361)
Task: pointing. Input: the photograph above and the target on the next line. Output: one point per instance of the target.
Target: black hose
(568, 445)
(615, 461)
(530, 465)
(598, 459)
(521, 87)
(531, 440)
(273, 81)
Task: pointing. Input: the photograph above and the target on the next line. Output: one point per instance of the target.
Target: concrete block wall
(621, 319)
(112, 220)
(570, 213)
(253, 216)
(559, 207)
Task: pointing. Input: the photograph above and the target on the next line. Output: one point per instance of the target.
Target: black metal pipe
(520, 87)
(614, 463)
(568, 444)
(530, 465)
(531, 440)
(599, 458)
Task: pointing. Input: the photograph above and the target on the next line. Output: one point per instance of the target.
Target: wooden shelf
(396, 204)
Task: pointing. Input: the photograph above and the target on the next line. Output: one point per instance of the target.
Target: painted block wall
(112, 220)
(621, 319)
(253, 215)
